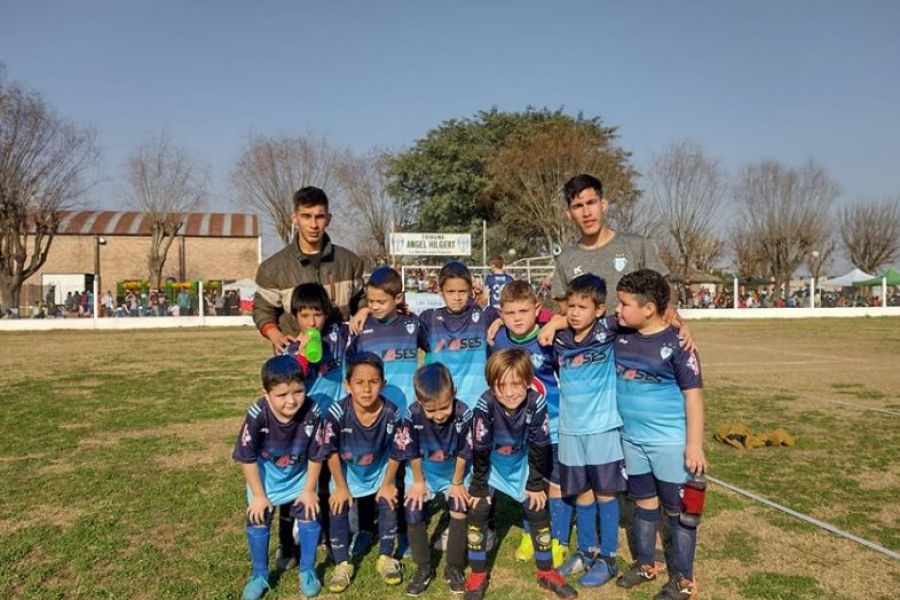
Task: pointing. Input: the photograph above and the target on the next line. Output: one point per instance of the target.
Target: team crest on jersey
(665, 352)
(333, 335)
(402, 439)
(308, 430)
(537, 360)
(390, 428)
(410, 328)
(475, 316)
(600, 336)
(620, 262)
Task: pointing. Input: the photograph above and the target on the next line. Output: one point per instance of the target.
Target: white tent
(245, 287)
(845, 280)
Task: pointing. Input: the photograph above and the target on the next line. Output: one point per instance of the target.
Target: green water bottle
(312, 350)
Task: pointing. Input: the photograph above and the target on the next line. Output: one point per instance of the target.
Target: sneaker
(455, 579)
(389, 569)
(525, 551)
(577, 564)
(476, 586)
(340, 577)
(420, 581)
(362, 541)
(680, 588)
(310, 586)
(603, 570)
(559, 553)
(553, 581)
(256, 586)
(284, 563)
(636, 575)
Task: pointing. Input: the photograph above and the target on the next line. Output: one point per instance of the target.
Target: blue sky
(747, 80)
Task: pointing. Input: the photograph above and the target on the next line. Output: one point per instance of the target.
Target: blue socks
(308, 533)
(561, 519)
(387, 527)
(684, 543)
(646, 523)
(609, 526)
(586, 522)
(258, 542)
(339, 535)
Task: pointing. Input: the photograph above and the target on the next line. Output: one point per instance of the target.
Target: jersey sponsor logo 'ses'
(456, 344)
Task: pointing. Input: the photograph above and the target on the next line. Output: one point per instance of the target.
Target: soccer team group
(566, 418)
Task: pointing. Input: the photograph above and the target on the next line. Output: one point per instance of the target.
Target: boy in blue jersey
(273, 448)
(433, 441)
(590, 446)
(660, 398)
(496, 281)
(355, 438)
(510, 454)
(519, 309)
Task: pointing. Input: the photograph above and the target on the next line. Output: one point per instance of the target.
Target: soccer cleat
(603, 569)
(636, 575)
(362, 541)
(340, 577)
(389, 569)
(525, 551)
(310, 586)
(559, 553)
(476, 586)
(553, 581)
(282, 562)
(456, 579)
(420, 581)
(255, 588)
(577, 564)
(680, 588)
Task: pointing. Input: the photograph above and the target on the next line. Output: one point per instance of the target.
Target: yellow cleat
(340, 577)
(559, 552)
(389, 569)
(525, 551)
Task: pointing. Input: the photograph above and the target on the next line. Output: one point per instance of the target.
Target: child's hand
(303, 339)
(492, 330)
(686, 337)
(388, 491)
(358, 320)
(474, 500)
(548, 331)
(339, 497)
(415, 496)
(536, 500)
(256, 511)
(310, 502)
(695, 460)
(460, 494)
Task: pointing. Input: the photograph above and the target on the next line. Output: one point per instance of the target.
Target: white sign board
(431, 244)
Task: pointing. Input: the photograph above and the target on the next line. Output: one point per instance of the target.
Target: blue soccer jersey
(543, 360)
(438, 445)
(397, 343)
(364, 451)
(587, 380)
(325, 379)
(508, 438)
(652, 370)
(494, 284)
(460, 342)
(280, 450)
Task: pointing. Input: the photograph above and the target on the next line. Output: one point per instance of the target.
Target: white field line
(812, 520)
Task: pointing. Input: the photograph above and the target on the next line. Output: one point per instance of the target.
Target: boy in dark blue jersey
(510, 454)
(273, 447)
(519, 309)
(433, 441)
(496, 281)
(660, 398)
(355, 437)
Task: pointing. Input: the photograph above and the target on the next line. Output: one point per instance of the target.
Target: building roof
(92, 222)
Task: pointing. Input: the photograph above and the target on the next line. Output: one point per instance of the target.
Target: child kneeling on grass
(273, 447)
(510, 453)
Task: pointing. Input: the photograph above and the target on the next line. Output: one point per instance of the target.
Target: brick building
(224, 246)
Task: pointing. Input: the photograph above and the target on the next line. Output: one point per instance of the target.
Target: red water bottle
(692, 501)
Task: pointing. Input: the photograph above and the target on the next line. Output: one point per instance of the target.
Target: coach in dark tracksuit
(310, 257)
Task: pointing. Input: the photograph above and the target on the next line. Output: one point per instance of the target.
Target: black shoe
(678, 588)
(456, 579)
(636, 575)
(420, 581)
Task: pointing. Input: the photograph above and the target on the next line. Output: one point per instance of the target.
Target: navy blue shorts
(646, 485)
(554, 465)
(607, 478)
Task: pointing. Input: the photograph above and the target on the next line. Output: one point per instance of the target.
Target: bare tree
(365, 185)
(167, 183)
(687, 189)
(43, 161)
(785, 213)
(871, 233)
(270, 169)
(749, 260)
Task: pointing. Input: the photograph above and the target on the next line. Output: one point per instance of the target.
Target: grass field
(118, 483)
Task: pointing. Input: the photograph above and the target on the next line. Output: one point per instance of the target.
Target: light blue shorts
(590, 449)
(665, 461)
